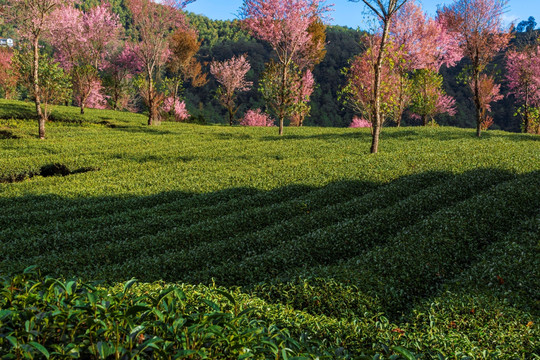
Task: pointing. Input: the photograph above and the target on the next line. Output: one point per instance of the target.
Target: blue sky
(347, 13)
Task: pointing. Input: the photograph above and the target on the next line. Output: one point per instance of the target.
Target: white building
(6, 42)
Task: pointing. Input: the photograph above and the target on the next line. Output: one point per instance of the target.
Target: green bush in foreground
(59, 319)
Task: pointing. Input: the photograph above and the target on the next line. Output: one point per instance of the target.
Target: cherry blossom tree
(488, 91)
(303, 92)
(32, 19)
(230, 74)
(119, 67)
(358, 94)
(153, 23)
(385, 11)
(172, 104)
(427, 44)
(8, 74)
(284, 25)
(523, 77)
(82, 40)
(479, 28)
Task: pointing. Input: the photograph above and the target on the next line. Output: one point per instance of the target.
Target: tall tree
(32, 19)
(231, 74)
(153, 23)
(523, 76)
(479, 26)
(119, 67)
(358, 94)
(426, 44)
(385, 11)
(8, 74)
(82, 40)
(284, 25)
(182, 65)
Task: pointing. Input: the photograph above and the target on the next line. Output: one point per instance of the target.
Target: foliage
(359, 123)
(428, 99)
(478, 26)
(8, 75)
(56, 318)
(256, 118)
(54, 83)
(231, 76)
(346, 254)
(523, 76)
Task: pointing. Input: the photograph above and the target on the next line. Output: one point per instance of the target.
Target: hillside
(429, 247)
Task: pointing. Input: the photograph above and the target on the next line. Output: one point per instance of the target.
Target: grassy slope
(421, 232)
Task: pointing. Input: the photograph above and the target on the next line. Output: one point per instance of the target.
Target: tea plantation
(247, 245)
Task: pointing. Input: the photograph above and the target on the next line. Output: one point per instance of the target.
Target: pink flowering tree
(173, 104)
(358, 94)
(425, 44)
(523, 77)
(231, 74)
(488, 91)
(385, 12)
(256, 118)
(478, 26)
(8, 74)
(32, 19)
(303, 92)
(153, 24)
(119, 67)
(284, 24)
(358, 122)
(82, 41)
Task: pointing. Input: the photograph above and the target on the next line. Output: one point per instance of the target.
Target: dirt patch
(6, 134)
(48, 170)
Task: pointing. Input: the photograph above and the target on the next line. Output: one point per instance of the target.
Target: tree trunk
(527, 124)
(424, 120)
(151, 115)
(377, 123)
(82, 108)
(37, 91)
(477, 103)
(231, 115)
(283, 100)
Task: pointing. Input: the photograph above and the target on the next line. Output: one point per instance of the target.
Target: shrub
(360, 123)
(256, 118)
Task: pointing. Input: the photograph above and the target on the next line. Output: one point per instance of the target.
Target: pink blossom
(283, 24)
(177, 107)
(358, 122)
(256, 118)
(425, 43)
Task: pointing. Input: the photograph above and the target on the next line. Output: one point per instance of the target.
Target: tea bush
(250, 245)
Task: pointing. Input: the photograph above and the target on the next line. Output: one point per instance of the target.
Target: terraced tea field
(429, 248)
